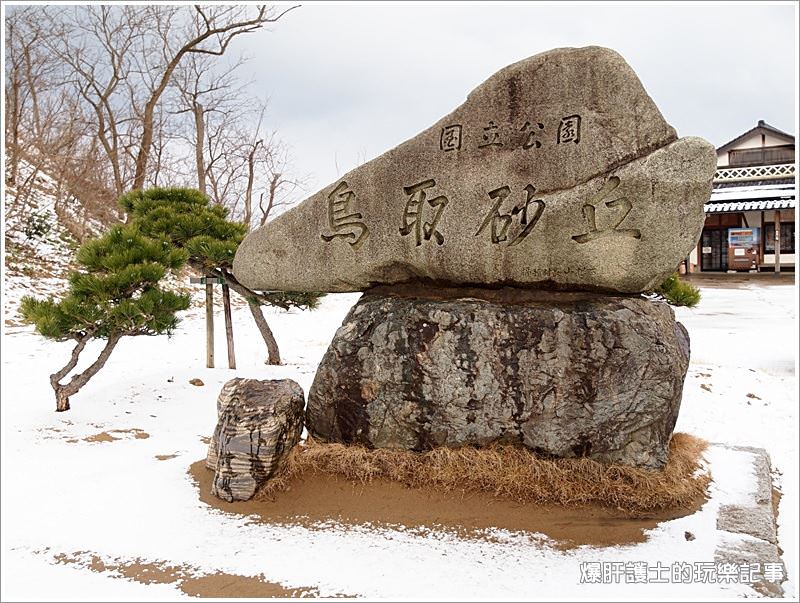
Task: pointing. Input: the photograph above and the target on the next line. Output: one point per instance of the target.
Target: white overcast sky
(348, 82)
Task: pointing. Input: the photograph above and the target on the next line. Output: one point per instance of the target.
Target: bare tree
(252, 151)
(234, 159)
(120, 62)
(44, 122)
(211, 31)
(267, 163)
(280, 187)
(13, 103)
(214, 98)
(96, 45)
(107, 98)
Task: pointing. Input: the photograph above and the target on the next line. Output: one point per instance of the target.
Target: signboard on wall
(743, 237)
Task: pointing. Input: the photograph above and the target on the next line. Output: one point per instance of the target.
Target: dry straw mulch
(511, 473)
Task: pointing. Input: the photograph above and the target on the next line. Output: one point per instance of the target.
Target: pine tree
(186, 219)
(678, 292)
(116, 293)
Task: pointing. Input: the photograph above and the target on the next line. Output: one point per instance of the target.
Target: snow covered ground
(89, 482)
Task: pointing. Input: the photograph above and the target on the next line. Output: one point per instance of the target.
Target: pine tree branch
(260, 298)
(79, 380)
(56, 377)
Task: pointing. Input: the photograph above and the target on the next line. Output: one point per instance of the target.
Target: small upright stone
(259, 423)
(226, 395)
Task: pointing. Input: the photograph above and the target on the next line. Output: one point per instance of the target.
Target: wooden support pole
(700, 254)
(777, 241)
(210, 325)
(226, 306)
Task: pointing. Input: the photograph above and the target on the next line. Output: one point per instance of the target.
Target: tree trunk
(200, 131)
(64, 391)
(226, 307)
(273, 189)
(140, 165)
(248, 195)
(56, 377)
(12, 116)
(62, 400)
(273, 353)
(32, 91)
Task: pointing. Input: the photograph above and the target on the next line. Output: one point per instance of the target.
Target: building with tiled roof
(752, 205)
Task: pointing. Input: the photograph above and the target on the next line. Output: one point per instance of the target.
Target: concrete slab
(749, 526)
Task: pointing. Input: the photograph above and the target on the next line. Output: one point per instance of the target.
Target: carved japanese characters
(558, 171)
(501, 222)
(418, 206)
(341, 221)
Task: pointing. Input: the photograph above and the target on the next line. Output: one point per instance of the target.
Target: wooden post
(700, 254)
(226, 306)
(210, 325)
(777, 241)
(763, 245)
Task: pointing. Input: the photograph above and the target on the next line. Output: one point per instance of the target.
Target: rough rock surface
(566, 374)
(259, 423)
(226, 395)
(557, 172)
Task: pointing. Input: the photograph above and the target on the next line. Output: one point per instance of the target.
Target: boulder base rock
(557, 172)
(259, 423)
(565, 374)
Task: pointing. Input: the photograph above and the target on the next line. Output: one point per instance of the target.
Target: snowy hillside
(41, 221)
(39, 247)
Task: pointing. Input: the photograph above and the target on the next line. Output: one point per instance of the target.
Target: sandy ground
(322, 497)
(106, 501)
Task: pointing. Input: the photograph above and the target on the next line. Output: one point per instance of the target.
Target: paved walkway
(736, 280)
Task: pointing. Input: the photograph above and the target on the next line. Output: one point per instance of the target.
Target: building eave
(762, 127)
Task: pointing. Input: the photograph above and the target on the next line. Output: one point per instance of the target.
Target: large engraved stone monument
(503, 252)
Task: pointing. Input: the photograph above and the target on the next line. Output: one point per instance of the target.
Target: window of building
(762, 155)
(787, 237)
